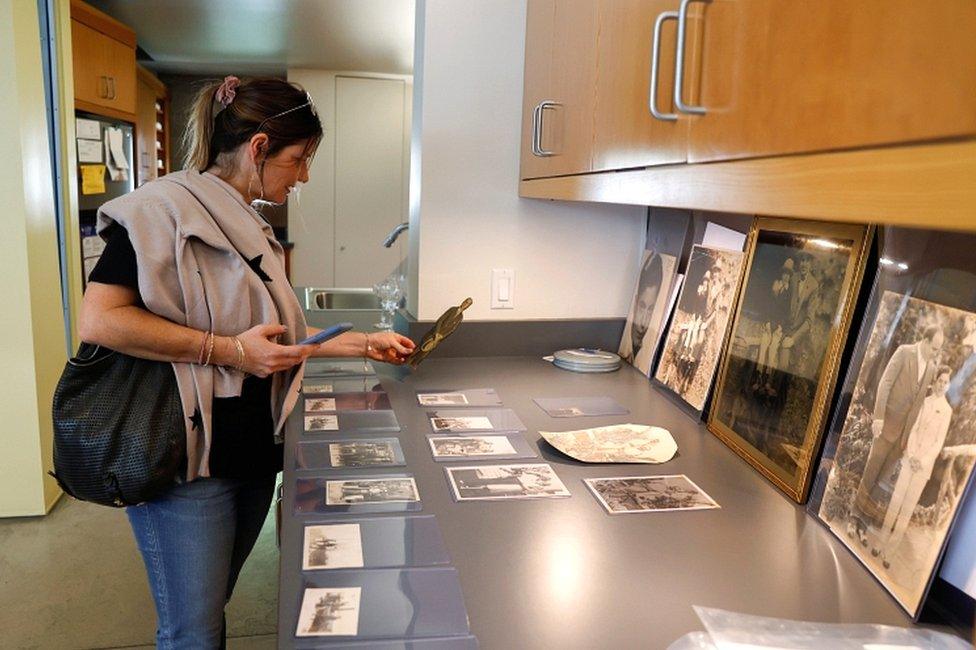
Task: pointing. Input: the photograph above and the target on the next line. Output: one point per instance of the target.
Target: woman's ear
(257, 147)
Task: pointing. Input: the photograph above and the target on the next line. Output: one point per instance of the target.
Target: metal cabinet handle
(656, 64)
(542, 113)
(103, 94)
(112, 80)
(535, 130)
(679, 64)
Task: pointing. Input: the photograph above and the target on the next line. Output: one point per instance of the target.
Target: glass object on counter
(389, 291)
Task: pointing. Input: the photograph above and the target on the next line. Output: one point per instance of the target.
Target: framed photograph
(330, 611)
(630, 494)
(465, 446)
(442, 399)
(321, 422)
(504, 482)
(371, 490)
(362, 453)
(320, 404)
(694, 340)
(900, 457)
(782, 354)
(333, 546)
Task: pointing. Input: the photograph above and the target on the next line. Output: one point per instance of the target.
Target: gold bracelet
(203, 349)
(368, 348)
(210, 349)
(241, 357)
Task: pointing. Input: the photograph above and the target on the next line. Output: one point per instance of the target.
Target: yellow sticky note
(93, 179)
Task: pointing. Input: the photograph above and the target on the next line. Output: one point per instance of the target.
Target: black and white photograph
(464, 446)
(320, 405)
(617, 443)
(648, 310)
(332, 546)
(907, 447)
(361, 453)
(787, 336)
(461, 423)
(329, 611)
(694, 340)
(442, 399)
(632, 494)
(316, 387)
(321, 422)
(500, 482)
(371, 490)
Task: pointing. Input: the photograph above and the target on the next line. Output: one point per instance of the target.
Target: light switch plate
(502, 289)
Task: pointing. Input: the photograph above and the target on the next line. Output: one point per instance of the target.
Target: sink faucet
(392, 237)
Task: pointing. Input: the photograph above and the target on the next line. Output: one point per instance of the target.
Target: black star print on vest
(197, 419)
(255, 265)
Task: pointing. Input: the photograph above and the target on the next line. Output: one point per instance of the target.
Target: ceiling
(268, 36)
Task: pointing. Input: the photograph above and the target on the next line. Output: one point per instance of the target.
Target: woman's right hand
(263, 356)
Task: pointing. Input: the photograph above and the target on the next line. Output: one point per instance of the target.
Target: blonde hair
(266, 105)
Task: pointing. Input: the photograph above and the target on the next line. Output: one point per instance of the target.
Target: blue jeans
(194, 540)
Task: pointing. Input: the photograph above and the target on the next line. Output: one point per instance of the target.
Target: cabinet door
(89, 55)
(782, 77)
(565, 112)
(538, 54)
(121, 70)
(626, 134)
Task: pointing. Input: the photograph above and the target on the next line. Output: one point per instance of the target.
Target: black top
(242, 444)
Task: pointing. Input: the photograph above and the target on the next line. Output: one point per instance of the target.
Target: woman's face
(284, 170)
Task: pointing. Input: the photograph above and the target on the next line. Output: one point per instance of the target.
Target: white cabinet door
(369, 178)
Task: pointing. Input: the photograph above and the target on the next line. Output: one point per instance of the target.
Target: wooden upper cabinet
(104, 62)
(780, 77)
(626, 133)
(558, 103)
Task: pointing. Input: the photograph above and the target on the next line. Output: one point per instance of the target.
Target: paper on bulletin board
(87, 129)
(118, 164)
(92, 179)
(89, 151)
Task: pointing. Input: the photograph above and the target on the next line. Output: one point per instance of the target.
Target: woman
(193, 275)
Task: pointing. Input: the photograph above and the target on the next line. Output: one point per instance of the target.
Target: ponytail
(200, 128)
(278, 108)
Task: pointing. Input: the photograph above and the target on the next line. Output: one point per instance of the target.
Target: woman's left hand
(389, 347)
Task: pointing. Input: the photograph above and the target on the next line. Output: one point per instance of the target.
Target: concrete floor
(74, 580)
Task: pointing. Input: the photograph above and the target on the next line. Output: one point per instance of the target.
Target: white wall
(571, 260)
(311, 221)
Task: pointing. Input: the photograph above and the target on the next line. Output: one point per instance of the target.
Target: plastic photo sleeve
(447, 397)
(373, 543)
(568, 407)
(474, 420)
(338, 385)
(505, 482)
(356, 493)
(370, 401)
(480, 447)
(346, 453)
(351, 421)
(466, 642)
(338, 368)
(381, 603)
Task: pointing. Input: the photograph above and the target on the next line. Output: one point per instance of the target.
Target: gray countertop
(562, 573)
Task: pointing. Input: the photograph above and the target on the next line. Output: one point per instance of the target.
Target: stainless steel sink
(317, 299)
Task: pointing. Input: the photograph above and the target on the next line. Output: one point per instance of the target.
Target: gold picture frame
(781, 357)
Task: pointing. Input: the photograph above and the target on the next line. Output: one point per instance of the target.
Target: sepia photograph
(495, 482)
(329, 611)
(464, 446)
(321, 422)
(648, 310)
(333, 546)
(694, 340)
(907, 447)
(320, 404)
(361, 453)
(618, 443)
(788, 331)
(372, 490)
(442, 399)
(629, 494)
(461, 423)
(315, 387)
